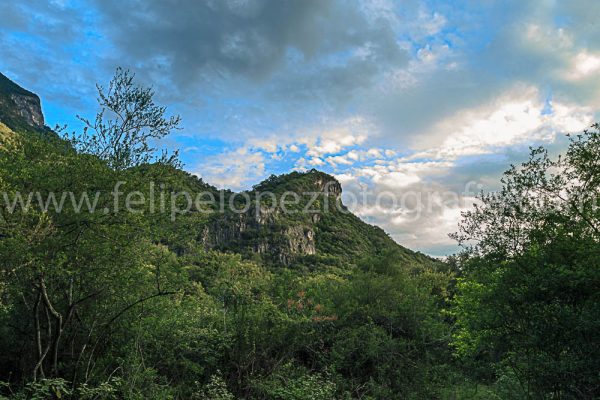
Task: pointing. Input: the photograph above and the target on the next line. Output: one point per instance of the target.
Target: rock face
(29, 108)
(271, 231)
(328, 186)
(317, 230)
(262, 231)
(19, 106)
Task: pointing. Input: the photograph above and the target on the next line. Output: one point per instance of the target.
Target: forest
(136, 304)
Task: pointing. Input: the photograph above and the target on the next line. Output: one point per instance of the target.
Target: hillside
(317, 231)
(258, 299)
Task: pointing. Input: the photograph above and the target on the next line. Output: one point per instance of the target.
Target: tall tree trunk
(58, 319)
(39, 366)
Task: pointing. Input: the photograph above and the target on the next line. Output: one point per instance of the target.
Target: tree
(529, 300)
(70, 275)
(126, 126)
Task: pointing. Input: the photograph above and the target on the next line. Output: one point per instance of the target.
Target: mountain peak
(19, 108)
(301, 182)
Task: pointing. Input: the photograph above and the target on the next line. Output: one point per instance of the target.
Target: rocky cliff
(317, 230)
(279, 232)
(19, 108)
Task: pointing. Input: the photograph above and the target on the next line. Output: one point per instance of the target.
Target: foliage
(289, 383)
(134, 305)
(216, 389)
(529, 300)
(127, 122)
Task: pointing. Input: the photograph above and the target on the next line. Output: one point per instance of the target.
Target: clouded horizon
(390, 96)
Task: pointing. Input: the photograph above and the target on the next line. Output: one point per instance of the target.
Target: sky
(406, 103)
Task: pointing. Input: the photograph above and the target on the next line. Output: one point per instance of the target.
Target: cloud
(418, 197)
(584, 65)
(396, 96)
(337, 160)
(520, 115)
(37, 40)
(235, 169)
(251, 38)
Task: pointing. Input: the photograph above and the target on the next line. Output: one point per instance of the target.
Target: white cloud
(428, 59)
(432, 24)
(353, 155)
(332, 142)
(345, 178)
(583, 65)
(190, 149)
(424, 192)
(518, 116)
(337, 160)
(316, 161)
(548, 38)
(396, 179)
(235, 169)
(269, 144)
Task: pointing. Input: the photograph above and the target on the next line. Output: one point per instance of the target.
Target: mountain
(312, 229)
(315, 228)
(20, 109)
(244, 294)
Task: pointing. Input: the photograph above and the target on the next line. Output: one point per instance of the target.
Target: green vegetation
(273, 305)
(529, 302)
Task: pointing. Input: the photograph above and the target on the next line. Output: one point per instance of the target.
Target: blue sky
(403, 98)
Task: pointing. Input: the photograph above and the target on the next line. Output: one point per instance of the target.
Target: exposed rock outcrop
(270, 231)
(260, 230)
(19, 106)
(328, 185)
(29, 108)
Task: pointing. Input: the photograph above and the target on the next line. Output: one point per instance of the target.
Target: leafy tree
(529, 300)
(108, 304)
(126, 125)
(70, 275)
